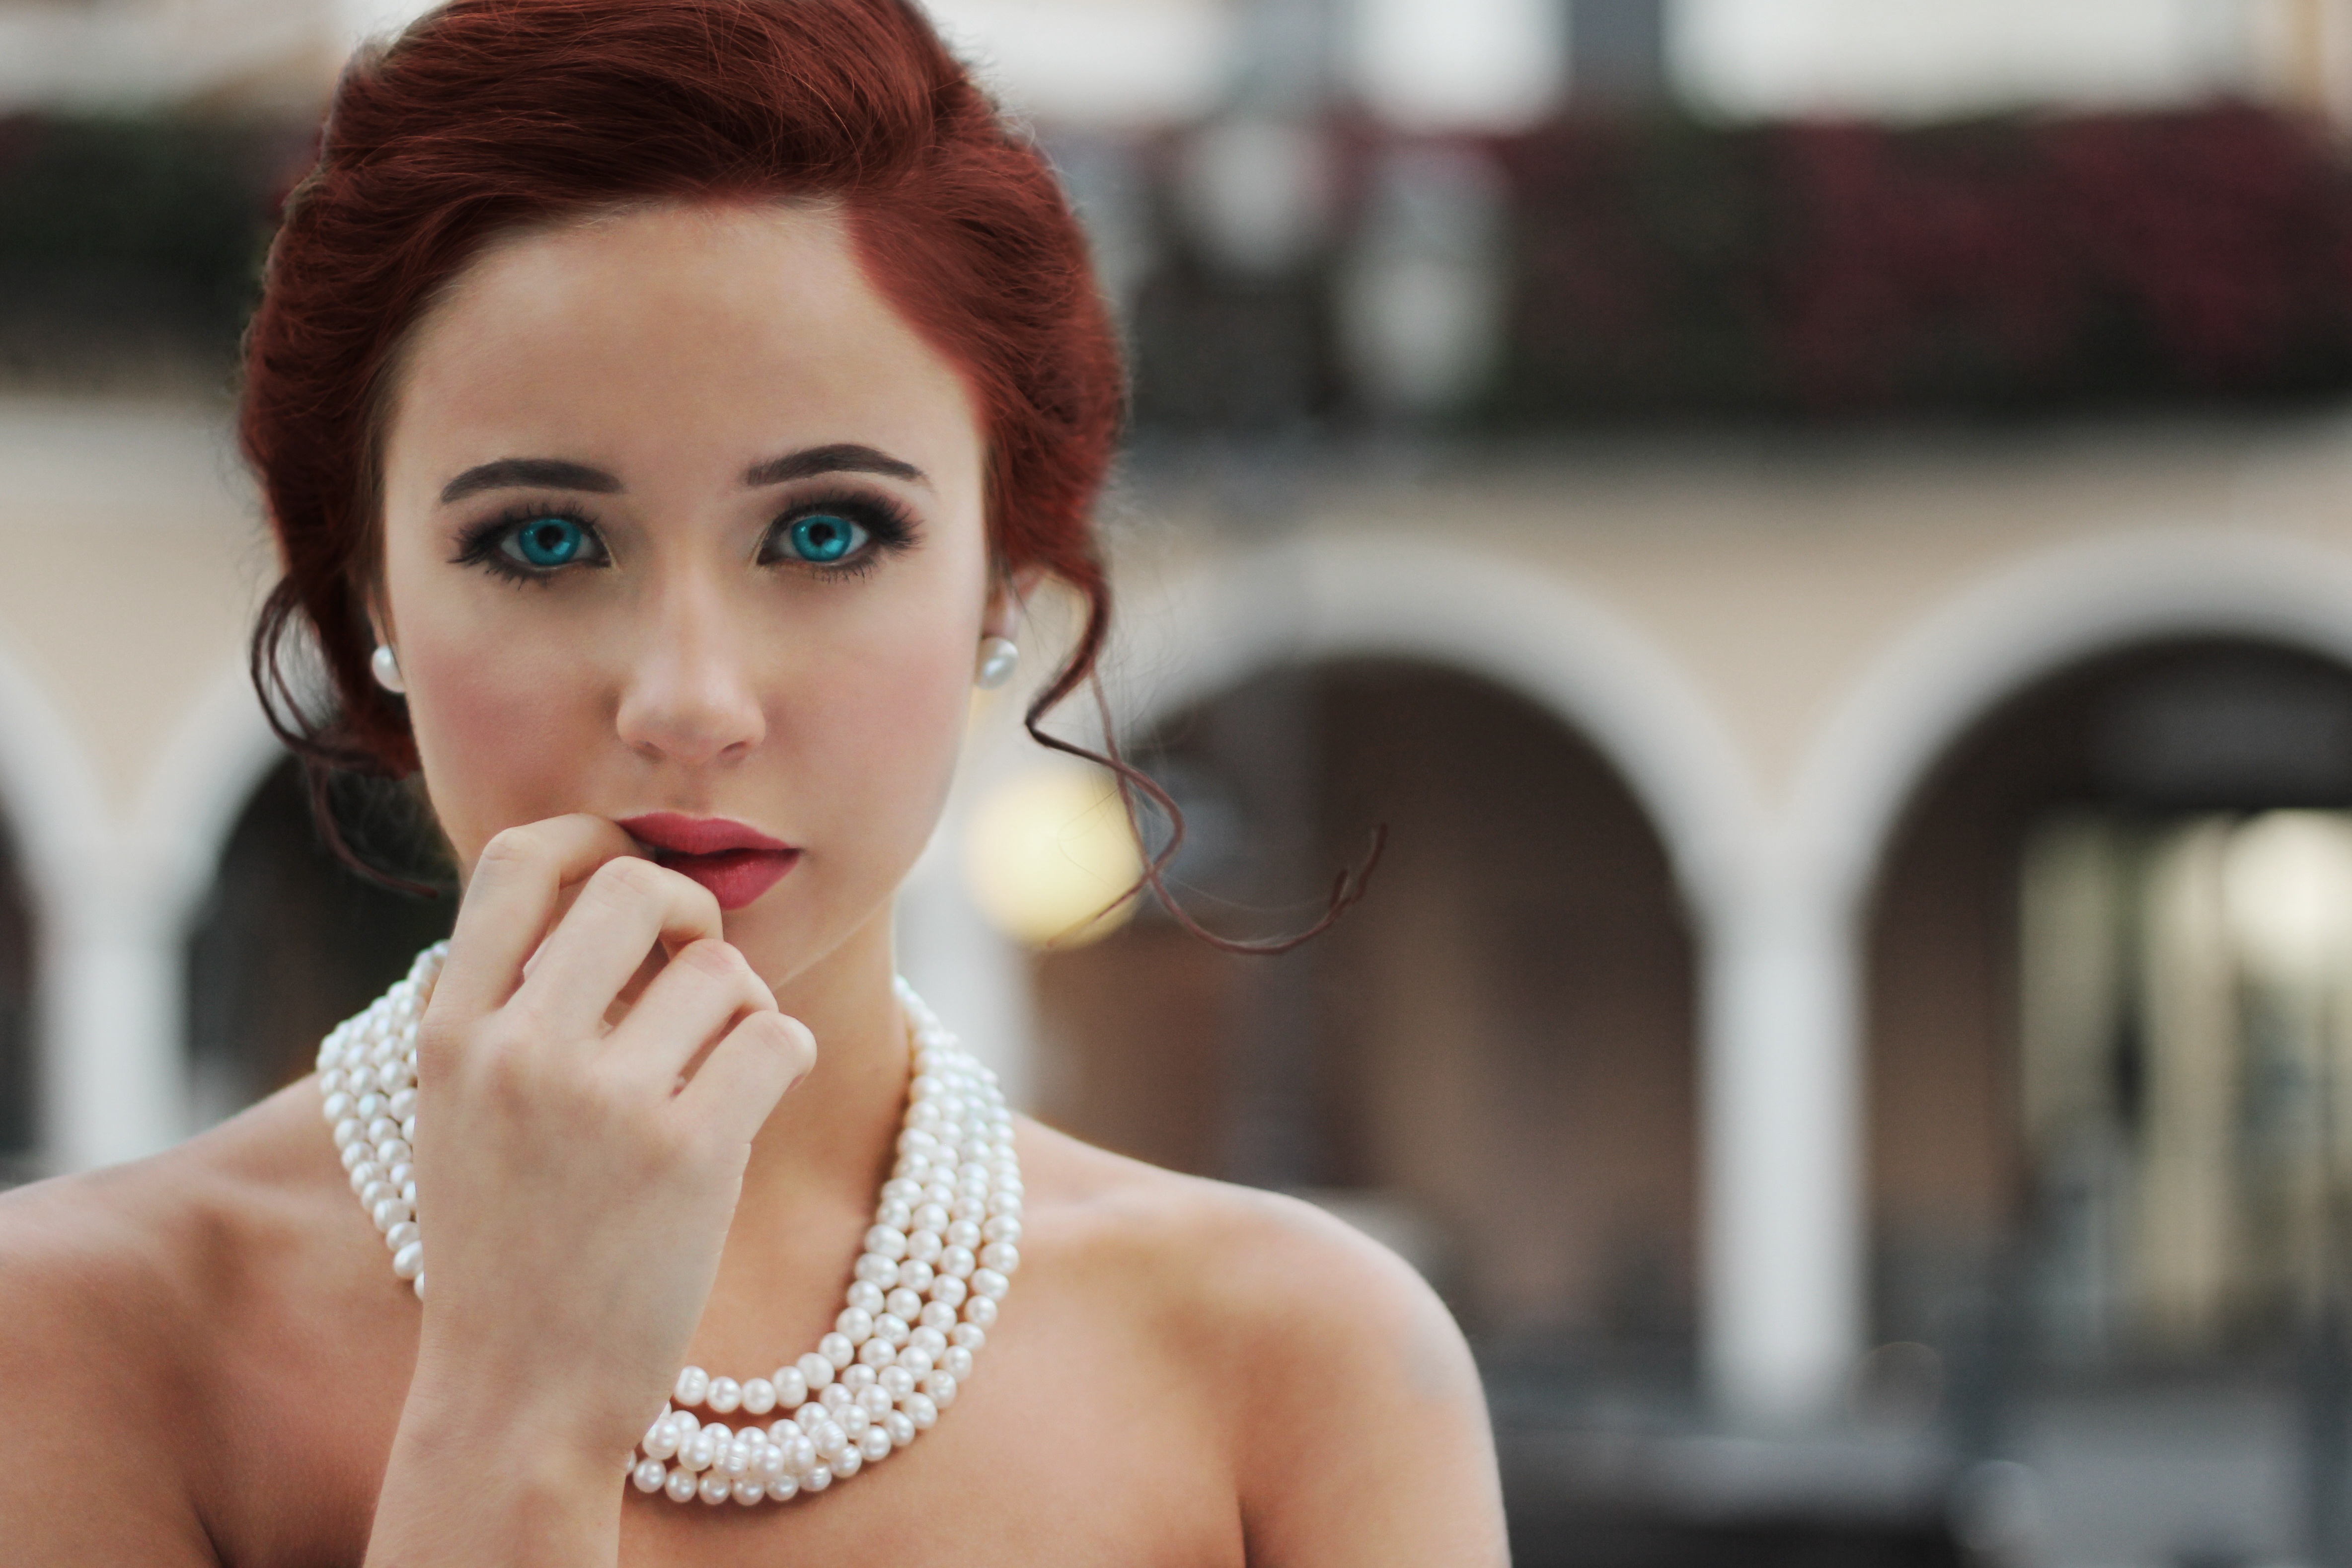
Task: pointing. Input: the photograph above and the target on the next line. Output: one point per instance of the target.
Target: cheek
(880, 737)
(503, 726)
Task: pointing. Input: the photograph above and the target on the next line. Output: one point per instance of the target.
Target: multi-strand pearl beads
(367, 1073)
(938, 1259)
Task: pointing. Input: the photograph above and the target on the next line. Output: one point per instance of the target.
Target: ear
(1008, 593)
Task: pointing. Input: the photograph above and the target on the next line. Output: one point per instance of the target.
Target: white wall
(1908, 60)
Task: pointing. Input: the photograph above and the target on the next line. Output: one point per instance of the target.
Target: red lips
(735, 861)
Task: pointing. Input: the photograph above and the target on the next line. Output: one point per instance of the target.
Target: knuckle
(786, 1037)
(508, 848)
(711, 956)
(625, 879)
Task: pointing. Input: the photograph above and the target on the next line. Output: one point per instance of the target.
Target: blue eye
(545, 543)
(822, 538)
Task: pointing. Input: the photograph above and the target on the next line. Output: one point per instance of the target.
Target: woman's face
(682, 522)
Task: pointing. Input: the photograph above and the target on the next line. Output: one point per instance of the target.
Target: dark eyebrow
(842, 457)
(514, 473)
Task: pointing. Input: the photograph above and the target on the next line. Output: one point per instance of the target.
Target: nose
(689, 697)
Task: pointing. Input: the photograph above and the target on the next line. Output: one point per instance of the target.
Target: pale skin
(652, 1130)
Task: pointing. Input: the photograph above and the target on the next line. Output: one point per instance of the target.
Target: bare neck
(831, 1138)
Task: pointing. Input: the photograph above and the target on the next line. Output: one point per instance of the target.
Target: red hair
(487, 116)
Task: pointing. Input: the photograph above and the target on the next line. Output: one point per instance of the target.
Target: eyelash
(890, 531)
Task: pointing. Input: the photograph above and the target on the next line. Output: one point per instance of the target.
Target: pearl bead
(945, 1227)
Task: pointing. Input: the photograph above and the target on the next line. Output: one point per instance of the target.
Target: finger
(626, 905)
(746, 1073)
(516, 882)
(701, 994)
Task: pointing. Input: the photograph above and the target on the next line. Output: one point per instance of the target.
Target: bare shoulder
(1367, 1439)
(1242, 1264)
(115, 1287)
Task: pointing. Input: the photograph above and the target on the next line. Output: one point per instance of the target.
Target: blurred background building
(1822, 527)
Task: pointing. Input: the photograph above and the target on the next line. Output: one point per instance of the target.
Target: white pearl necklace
(939, 1257)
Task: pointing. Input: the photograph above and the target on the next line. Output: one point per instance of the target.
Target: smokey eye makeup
(531, 544)
(843, 535)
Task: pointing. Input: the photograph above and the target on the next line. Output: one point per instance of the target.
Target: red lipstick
(735, 861)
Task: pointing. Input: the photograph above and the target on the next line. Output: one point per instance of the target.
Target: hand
(577, 1168)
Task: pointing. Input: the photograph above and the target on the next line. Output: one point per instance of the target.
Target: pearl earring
(998, 659)
(386, 663)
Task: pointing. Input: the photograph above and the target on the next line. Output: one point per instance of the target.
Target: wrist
(475, 1479)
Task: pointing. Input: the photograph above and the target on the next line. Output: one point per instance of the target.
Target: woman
(663, 409)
